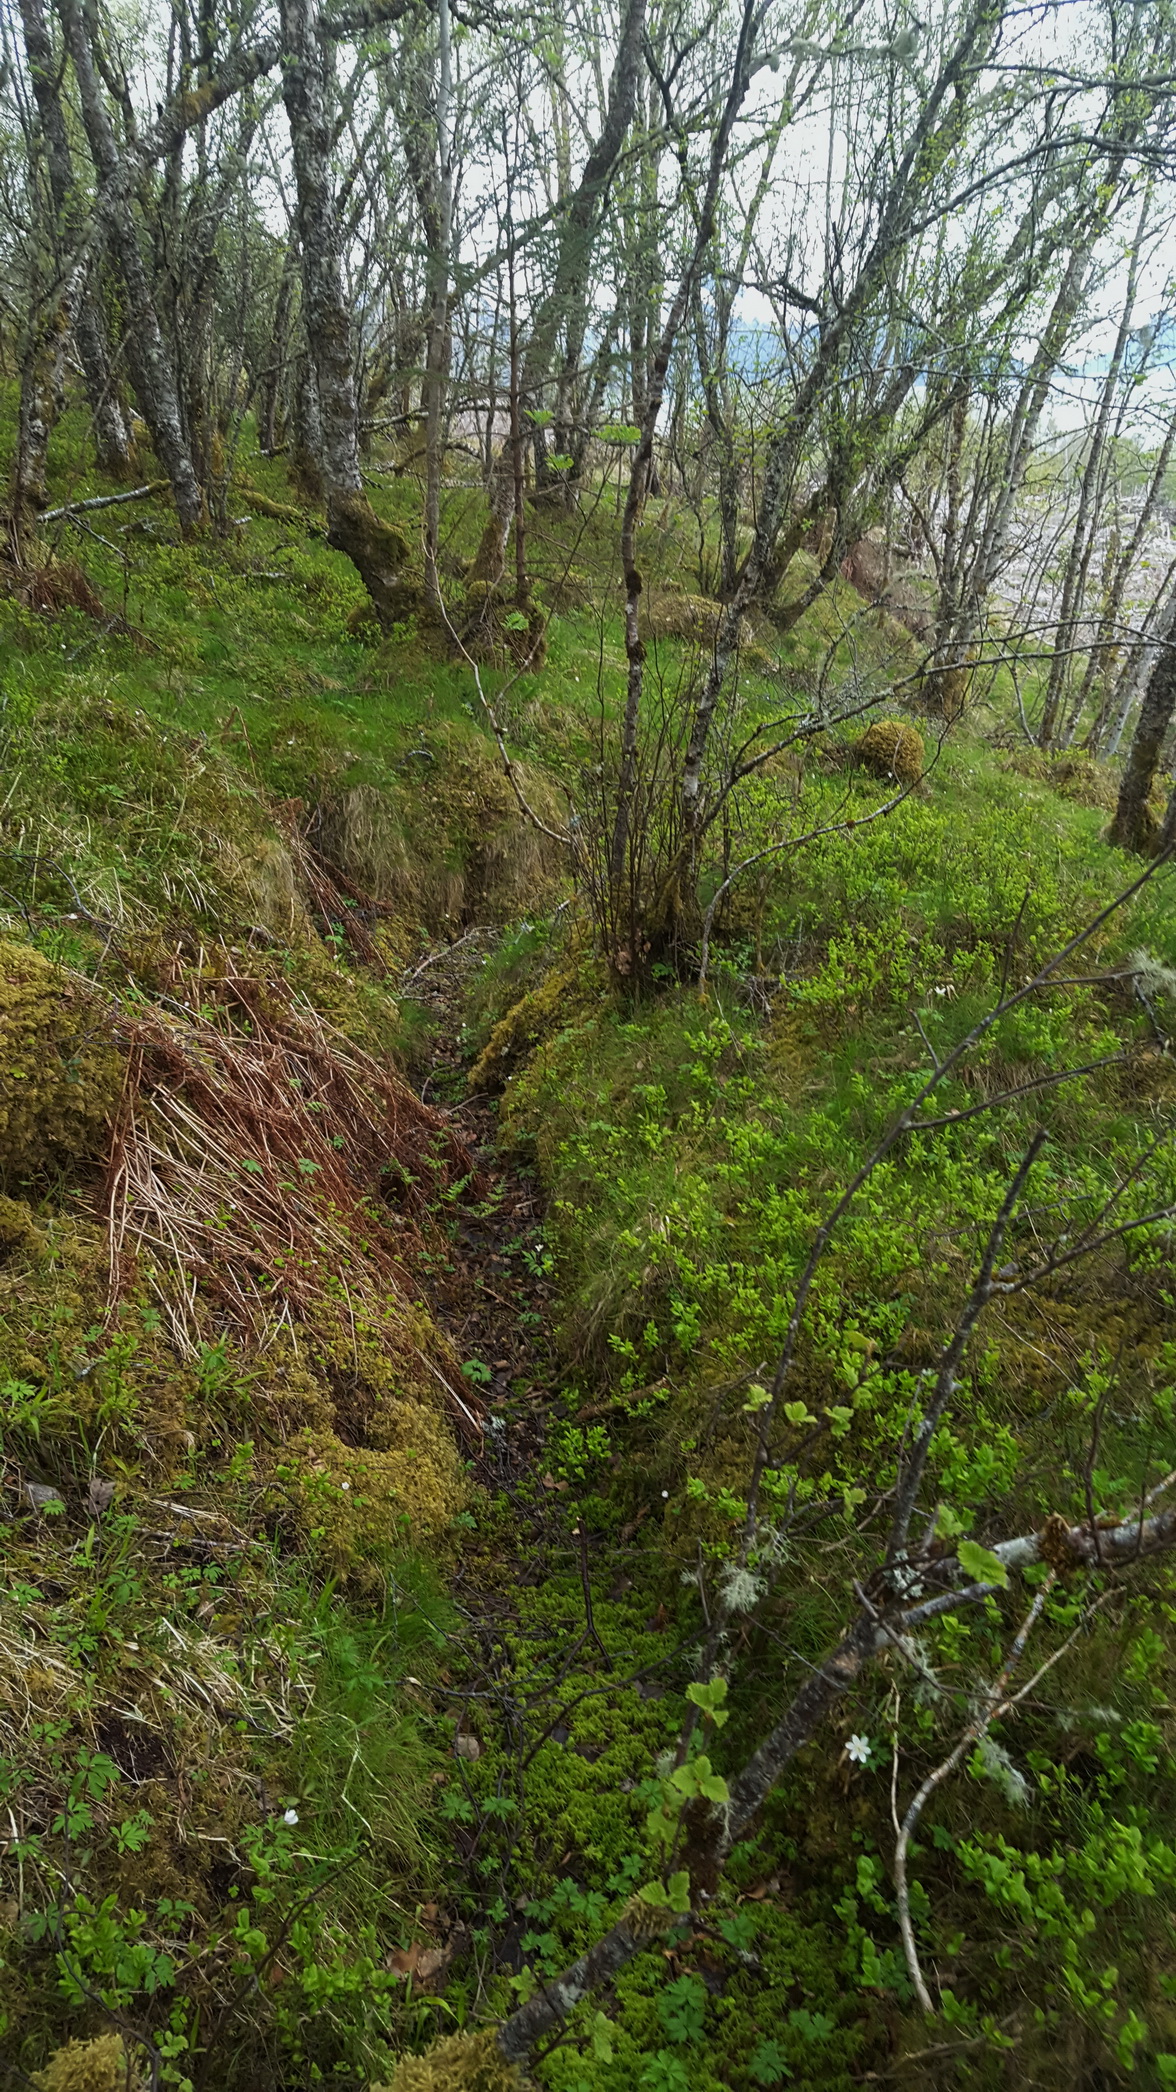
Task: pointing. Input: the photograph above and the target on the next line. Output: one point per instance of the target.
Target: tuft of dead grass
(263, 1163)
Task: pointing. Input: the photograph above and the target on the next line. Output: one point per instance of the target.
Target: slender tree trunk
(938, 129)
(963, 596)
(273, 376)
(438, 350)
(640, 472)
(1089, 503)
(571, 274)
(112, 435)
(712, 372)
(424, 102)
(1134, 827)
(378, 552)
(40, 363)
(152, 373)
(1107, 647)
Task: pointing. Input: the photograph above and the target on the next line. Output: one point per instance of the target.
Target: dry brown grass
(264, 1165)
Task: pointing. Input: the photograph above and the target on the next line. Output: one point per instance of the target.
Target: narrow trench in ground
(493, 1295)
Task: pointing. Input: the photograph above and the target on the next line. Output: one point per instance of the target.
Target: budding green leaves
(710, 1699)
(671, 1895)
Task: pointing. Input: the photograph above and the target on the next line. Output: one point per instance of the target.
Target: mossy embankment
(235, 1435)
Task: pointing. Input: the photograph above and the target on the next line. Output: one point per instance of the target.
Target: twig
(995, 1707)
(434, 957)
(581, 1537)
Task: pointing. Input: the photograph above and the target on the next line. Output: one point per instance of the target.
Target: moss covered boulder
(892, 749)
(60, 1076)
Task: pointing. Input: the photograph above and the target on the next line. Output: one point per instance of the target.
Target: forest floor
(348, 1618)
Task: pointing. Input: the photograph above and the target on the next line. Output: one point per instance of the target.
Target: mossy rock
(565, 994)
(102, 2065)
(19, 1233)
(355, 1506)
(666, 615)
(892, 749)
(460, 2063)
(60, 1077)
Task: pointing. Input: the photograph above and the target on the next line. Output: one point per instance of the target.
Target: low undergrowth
(690, 1152)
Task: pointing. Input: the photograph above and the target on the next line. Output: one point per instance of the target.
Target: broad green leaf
(982, 1565)
(602, 2038)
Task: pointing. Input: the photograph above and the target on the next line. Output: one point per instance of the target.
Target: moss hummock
(60, 1076)
(891, 748)
(460, 2063)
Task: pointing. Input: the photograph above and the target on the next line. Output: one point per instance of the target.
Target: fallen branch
(82, 508)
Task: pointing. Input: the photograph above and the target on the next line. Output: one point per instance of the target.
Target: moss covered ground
(340, 1654)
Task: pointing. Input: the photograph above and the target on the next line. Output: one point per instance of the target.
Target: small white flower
(290, 1817)
(857, 1750)
(344, 1485)
(666, 1495)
